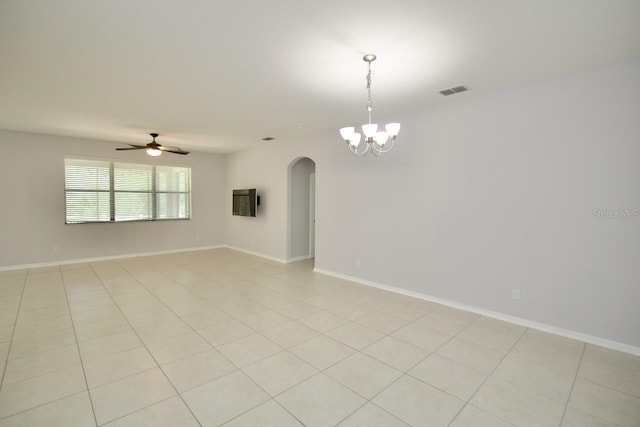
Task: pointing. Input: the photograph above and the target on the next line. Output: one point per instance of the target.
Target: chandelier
(376, 142)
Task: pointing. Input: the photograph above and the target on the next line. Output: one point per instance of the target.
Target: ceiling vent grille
(452, 90)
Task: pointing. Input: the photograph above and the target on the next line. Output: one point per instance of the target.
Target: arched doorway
(301, 212)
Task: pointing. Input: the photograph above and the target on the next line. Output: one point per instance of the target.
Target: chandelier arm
(375, 150)
(362, 153)
(388, 146)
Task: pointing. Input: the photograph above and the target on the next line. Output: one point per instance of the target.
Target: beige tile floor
(219, 337)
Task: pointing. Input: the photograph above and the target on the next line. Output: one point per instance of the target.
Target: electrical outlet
(56, 249)
(515, 294)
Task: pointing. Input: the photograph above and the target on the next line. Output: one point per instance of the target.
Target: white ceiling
(213, 75)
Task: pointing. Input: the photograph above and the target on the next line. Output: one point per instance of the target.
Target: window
(102, 191)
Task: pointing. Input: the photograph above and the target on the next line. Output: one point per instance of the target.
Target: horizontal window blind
(133, 191)
(172, 192)
(102, 191)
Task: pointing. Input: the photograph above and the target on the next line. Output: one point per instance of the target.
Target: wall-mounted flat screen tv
(245, 202)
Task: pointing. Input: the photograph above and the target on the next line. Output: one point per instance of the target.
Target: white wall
(484, 194)
(32, 213)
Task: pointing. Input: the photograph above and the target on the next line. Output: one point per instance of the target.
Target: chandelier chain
(369, 104)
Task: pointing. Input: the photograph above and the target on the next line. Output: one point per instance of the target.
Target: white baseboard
(299, 258)
(283, 261)
(614, 345)
(141, 254)
(106, 258)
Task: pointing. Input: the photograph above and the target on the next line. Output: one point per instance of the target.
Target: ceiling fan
(155, 149)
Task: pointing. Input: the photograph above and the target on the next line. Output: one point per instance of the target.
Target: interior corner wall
(266, 233)
(532, 188)
(32, 207)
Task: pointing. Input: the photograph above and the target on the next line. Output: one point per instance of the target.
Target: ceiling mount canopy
(153, 148)
(376, 142)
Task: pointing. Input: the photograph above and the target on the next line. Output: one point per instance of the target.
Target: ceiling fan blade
(176, 152)
(133, 148)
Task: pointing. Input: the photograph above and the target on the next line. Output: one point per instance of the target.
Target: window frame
(154, 192)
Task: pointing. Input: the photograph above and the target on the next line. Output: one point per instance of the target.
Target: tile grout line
(13, 331)
(49, 402)
(44, 373)
(144, 345)
(141, 409)
(573, 384)
(75, 336)
(356, 351)
(158, 365)
(238, 369)
(608, 387)
(271, 398)
(403, 373)
(487, 378)
(406, 372)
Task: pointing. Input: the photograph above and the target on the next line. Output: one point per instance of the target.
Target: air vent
(268, 138)
(451, 91)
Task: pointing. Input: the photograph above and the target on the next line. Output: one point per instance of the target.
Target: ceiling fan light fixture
(153, 148)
